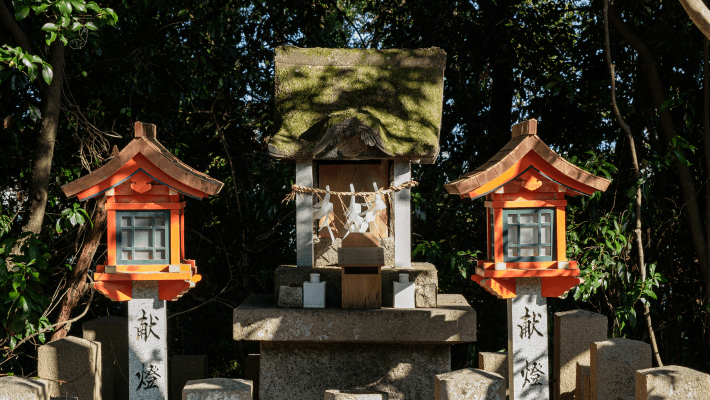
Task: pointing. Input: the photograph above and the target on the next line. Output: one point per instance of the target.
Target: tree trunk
(77, 278)
(44, 151)
(637, 174)
(691, 208)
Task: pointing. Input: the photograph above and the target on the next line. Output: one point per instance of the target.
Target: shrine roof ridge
(147, 144)
(525, 140)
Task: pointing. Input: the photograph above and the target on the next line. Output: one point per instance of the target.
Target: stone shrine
(353, 121)
(525, 185)
(145, 188)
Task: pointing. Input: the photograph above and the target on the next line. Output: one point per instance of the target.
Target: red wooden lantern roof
(525, 151)
(145, 154)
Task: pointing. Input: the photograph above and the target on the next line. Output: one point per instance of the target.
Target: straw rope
(296, 189)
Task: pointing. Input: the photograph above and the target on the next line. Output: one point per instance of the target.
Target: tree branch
(699, 14)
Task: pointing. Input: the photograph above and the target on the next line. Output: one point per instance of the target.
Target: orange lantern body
(145, 188)
(525, 185)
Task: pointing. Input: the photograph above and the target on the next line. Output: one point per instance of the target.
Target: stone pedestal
(147, 343)
(672, 382)
(613, 366)
(574, 332)
(354, 395)
(75, 361)
(112, 333)
(424, 276)
(305, 352)
(527, 342)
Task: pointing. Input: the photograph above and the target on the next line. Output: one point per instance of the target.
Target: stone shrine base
(306, 370)
(305, 352)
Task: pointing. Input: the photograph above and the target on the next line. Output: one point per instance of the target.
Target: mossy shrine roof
(525, 150)
(340, 104)
(144, 153)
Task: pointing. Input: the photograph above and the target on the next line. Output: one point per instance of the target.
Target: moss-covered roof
(395, 95)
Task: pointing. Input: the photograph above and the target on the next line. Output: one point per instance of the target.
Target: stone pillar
(581, 391)
(671, 382)
(613, 365)
(402, 216)
(252, 372)
(574, 332)
(469, 383)
(112, 333)
(147, 343)
(75, 361)
(16, 388)
(217, 388)
(527, 341)
(494, 362)
(184, 369)
(304, 215)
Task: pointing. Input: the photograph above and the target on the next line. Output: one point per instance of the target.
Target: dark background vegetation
(203, 70)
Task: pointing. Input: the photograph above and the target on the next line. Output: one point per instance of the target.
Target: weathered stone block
(453, 321)
(252, 372)
(73, 360)
(581, 391)
(469, 384)
(424, 275)
(185, 368)
(16, 388)
(425, 295)
(494, 362)
(291, 297)
(574, 332)
(354, 395)
(672, 382)
(112, 333)
(613, 366)
(306, 370)
(217, 388)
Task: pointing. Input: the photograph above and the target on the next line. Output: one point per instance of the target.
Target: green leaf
(40, 8)
(22, 303)
(64, 7)
(79, 5)
(91, 26)
(21, 12)
(112, 13)
(47, 74)
(76, 26)
(50, 27)
(93, 6)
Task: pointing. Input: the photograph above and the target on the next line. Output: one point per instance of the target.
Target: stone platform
(305, 352)
(423, 275)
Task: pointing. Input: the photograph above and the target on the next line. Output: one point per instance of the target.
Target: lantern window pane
(528, 235)
(142, 237)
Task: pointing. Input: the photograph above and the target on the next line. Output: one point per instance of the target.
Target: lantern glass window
(142, 237)
(528, 234)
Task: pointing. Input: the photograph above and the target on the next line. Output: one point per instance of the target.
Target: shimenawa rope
(296, 189)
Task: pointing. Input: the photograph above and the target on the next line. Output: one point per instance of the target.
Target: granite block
(494, 362)
(354, 395)
(217, 388)
(613, 366)
(574, 332)
(16, 388)
(672, 382)
(469, 384)
(453, 321)
(73, 360)
(291, 370)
